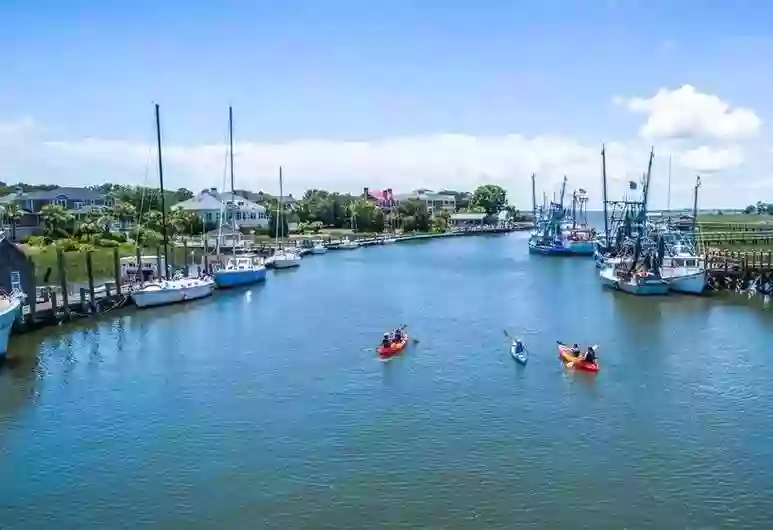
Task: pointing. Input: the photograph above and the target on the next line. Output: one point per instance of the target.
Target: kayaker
(576, 350)
(518, 346)
(398, 335)
(386, 342)
(590, 355)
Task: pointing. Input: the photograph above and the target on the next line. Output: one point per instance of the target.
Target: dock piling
(63, 283)
(90, 273)
(117, 271)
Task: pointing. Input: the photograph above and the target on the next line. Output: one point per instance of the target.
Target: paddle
(415, 341)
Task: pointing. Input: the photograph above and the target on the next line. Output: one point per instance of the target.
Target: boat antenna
(161, 185)
(604, 185)
(668, 198)
(534, 197)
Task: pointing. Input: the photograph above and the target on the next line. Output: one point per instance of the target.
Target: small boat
(395, 348)
(519, 357)
(645, 283)
(238, 271)
(684, 271)
(318, 248)
(573, 361)
(348, 244)
(285, 259)
(388, 241)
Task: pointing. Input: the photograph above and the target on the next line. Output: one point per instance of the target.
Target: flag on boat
(632, 185)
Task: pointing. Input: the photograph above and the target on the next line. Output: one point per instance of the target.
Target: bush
(119, 237)
(37, 241)
(67, 245)
(107, 243)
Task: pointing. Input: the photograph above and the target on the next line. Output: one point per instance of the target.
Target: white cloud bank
(687, 113)
(436, 161)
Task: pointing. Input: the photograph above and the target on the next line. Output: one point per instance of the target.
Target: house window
(209, 216)
(252, 216)
(78, 205)
(61, 202)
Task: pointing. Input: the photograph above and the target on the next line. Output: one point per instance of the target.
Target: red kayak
(393, 349)
(565, 353)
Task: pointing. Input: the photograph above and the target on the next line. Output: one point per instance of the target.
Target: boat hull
(581, 248)
(7, 318)
(693, 283)
(235, 278)
(172, 292)
(287, 263)
(548, 250)
(318, 250)
(637, 287)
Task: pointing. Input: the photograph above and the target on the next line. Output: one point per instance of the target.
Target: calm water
(266, 408)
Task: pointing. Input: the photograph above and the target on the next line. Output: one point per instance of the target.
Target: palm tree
(124, 211)
(13, 213)
(55, 217)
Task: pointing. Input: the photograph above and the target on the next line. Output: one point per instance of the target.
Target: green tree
(490, 197)
(13, 213)
(413, 215)
(56, 219)
(441, 221)
(273, 223)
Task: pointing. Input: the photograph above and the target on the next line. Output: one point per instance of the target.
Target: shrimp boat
(682, 267)
(640, 283)
(284, 258)
(241, 270)
(556, 235)
(178, 289)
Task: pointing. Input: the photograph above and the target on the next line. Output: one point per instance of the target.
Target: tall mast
(668, 199)
(604, 185)
(695, 204)
(534, 198)
(163, 205)
(280, 212)
(231, 163)
(574, 209)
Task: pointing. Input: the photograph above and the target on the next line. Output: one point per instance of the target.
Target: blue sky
(319, 86)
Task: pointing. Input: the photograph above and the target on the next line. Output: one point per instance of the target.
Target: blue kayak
(520, 357)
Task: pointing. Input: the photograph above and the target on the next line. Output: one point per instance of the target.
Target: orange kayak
(565, 352)
(394, 348)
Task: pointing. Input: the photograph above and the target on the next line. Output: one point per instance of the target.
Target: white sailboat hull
(318, 250)
(285, 260)
(171, 292)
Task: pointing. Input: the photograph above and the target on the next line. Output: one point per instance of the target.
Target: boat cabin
(147, 270)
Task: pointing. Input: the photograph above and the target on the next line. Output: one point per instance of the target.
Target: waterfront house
(236, 209)
(384, 199)
(467, 220)
(31, 203)
(434, 202)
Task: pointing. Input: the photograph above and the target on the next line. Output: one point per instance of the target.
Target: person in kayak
(590, 355)
(398, 335)
(518, 346)
(386, 342)
(576, 350)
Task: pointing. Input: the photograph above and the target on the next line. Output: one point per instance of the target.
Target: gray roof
(211, 200)
(468, 216)
(424, 195)
(74, 194)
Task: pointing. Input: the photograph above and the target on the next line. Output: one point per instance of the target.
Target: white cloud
(687, 113)
(706, 159)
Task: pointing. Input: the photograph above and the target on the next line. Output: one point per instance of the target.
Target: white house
(435, 202)
(209, 204)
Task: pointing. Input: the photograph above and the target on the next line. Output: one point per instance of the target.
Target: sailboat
(239, 270)
(283, 258)
(350, 244)
(319, 247)
(165, 291)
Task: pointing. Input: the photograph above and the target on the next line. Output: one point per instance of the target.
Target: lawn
(739, 218)
(75, 262)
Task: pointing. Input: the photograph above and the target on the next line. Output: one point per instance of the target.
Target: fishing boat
(554, 234)
(10, 309)
(178, 289)
(682, 267)
(283, 258)
(242, 270)
(640, 283)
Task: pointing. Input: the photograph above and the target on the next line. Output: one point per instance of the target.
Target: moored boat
(520, 357)
(10, 309)
(644, 283)
(165, 292)
(241, 270)
(318, 248)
